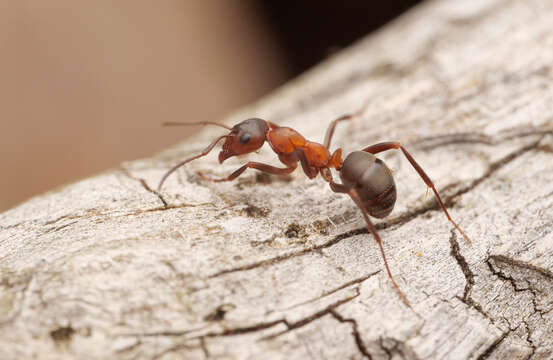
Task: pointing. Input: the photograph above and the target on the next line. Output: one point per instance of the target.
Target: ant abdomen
(372, 180)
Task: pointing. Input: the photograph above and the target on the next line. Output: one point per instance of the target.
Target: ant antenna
(175, 123)
(182, 163)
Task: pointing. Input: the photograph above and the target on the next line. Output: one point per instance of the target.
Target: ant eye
(245, 138)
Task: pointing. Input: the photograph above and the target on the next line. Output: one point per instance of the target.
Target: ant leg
(341, 188)
(336, 187)
(309, 170)
(374, 149)
(330, 129)
(203, 153)
(254, 165)
(355, 197)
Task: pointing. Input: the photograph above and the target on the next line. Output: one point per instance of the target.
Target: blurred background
(85, 84)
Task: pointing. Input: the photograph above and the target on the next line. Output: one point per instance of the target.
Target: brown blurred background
(85, 84)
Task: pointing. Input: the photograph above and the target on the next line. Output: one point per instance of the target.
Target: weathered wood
(283, 268)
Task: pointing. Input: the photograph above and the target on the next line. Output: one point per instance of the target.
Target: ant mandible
(365, 178)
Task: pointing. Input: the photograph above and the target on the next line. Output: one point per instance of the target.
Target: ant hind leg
(355, 197)
(341, 188)
(374, 149)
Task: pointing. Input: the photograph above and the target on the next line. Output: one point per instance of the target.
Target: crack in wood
(496, 270)
(178, 347)
(521, 264)
(90, 213)
(469, 277)
(435, 141)
(205, 350)
(395, 348)
(488, 352)
(12, 226)
(290, 326)
(529, 340)
(462, 262)
(492, 169)
(129, 347)
(165, 333)
(213, 334)
(68, 216)
(317, 315)
(55, 229)
(164, 208)
(387, 351)
(145, 185)
(328, 292)
(245, 329)
(286, 256)
(515, 272)
(354, 331)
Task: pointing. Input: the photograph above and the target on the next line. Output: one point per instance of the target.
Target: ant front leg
(341, 188)
(253, 165)
(374, 149)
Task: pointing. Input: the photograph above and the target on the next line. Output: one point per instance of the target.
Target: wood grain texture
(283, 268)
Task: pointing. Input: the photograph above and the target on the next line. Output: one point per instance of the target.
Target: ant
(365, 178)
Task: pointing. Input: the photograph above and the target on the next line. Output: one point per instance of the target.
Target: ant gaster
(365, 178)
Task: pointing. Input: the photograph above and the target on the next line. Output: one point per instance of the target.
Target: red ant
(365, 178)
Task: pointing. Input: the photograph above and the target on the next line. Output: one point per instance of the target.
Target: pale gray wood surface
(283, 268)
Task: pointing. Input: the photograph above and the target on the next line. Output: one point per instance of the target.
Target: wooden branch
(283, 268)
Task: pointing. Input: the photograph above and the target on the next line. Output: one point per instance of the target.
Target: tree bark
(283, 268)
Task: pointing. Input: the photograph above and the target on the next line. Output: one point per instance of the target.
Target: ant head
(244, 138)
